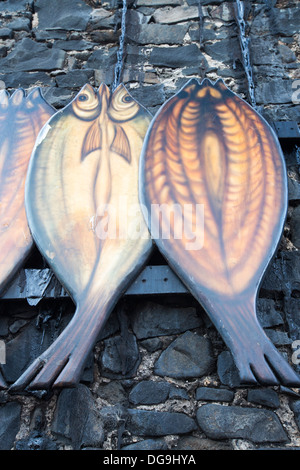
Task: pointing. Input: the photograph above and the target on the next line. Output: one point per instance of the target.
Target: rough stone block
(151, 319)
(233, 422)
(26, 79)
(276, 91)
(157, 34)
(214, 394)
(149, 392)
(74, 78)
(120, 357)
(227, 370)
(101, 19)
(74, 45)
(14, 6)
(6, 33)
(36, 441)
(169, 15)
(294, 190)
(147, 444)
(283, 273)
(149, 96)
(267, 314)
(195, 443)
(10, 419)
(175, 57)
(226, 51)
(296, 409)
(159, 423)
(29, 55)
(292, 309)
(295, 226)
(190, 355)
(102, 58)
(76, 420)
(20, 24)
(264, 396)
(157, 3)
(62, 14)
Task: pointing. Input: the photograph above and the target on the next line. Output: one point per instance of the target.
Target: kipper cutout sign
(21, 118)
(84, 214)
(208, 149)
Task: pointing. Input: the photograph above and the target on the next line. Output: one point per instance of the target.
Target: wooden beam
(287, 130)
(35, 284)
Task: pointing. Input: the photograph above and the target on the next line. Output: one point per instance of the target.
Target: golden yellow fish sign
(21, 119)
(214, 180)
(83, 210)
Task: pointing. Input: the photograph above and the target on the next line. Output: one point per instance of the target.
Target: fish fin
(121, 144)
(92, 140)
(4, 97)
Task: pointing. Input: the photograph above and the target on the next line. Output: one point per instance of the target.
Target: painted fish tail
(62, 364)
(256, 358)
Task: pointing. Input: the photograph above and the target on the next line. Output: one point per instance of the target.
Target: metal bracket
(287, 131)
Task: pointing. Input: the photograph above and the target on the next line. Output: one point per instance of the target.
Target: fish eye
(86, 105)
(83, 97)
(127, 99)
(122, 106)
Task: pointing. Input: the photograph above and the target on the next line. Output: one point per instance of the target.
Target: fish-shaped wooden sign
(21, 119)
(84, 213)
(213, 187)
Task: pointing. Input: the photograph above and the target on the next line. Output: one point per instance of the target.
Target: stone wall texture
(160, 376)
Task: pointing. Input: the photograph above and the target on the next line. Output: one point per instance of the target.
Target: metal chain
(244, 43)
(120, 53)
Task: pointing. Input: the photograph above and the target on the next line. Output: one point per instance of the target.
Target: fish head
(194, 90)
(123, 107)
(87, 104)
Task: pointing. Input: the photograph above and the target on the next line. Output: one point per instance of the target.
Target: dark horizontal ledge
(282, 276)
(34, 284)
(287, 130)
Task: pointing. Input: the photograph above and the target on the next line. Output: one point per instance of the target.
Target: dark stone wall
(160, 376)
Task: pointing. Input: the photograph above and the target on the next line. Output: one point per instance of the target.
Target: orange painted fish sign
(84, 215)
(21, 119)
(207, 148)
